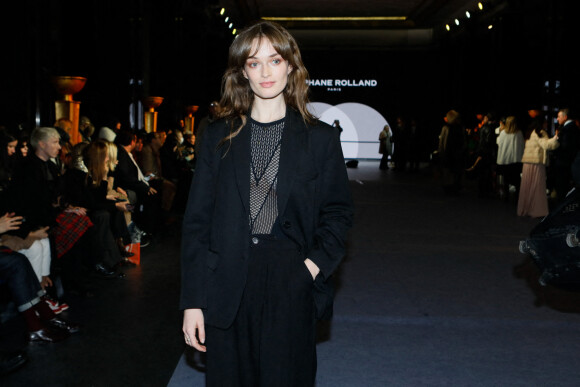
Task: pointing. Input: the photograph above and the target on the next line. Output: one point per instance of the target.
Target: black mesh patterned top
(266, 140)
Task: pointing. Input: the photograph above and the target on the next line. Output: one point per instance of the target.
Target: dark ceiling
(178, 49)
(392, 23)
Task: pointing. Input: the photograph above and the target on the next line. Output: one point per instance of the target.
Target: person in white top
(510, 149)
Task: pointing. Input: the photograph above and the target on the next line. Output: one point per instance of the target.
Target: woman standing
(533, 200)
(266, 221)
(452, 152)
(510, 148)
(385, 146)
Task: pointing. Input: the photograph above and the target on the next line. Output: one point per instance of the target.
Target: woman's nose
(265, 71)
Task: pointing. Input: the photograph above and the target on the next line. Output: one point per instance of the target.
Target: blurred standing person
(385, 146)
(509, 156)
(486, 156)
(266, 221)
(533, 200)
(452, 152)
(415, 147)
(400, 139)
(86, 129)
(336, 124)
(563, 157)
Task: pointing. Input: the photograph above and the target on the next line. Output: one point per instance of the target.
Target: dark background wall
(178, 49)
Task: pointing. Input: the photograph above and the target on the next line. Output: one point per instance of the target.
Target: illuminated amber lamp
(190, 119)
(151, 115)
(67, 107)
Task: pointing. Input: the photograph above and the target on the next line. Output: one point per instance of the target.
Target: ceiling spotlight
(467, 14)
(231, 25)
(227, 18)
(489, 27)
(447, 27)
(457, 22)
(223, 10)
(480, 6)
(234, 31)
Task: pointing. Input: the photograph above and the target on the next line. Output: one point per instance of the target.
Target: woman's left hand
(46, 282)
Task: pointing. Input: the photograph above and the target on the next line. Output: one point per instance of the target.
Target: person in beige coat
(533, 200)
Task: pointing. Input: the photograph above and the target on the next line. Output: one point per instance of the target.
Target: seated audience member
(23, 145)
(176, 168)
(116, 193)
(150, 162)
(8, 144)
(64, 128)
(188, 149)
(107, 134)
(36, 186)
(152, 168)
(172, 161)
(110, 130)
(86, 129)
(86, 186)
(18, 276)
(35, 246)
(129, 177)
(36, 192)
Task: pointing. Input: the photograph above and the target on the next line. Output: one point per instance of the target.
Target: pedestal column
(190, 119)
(151, 115)
(67, 107)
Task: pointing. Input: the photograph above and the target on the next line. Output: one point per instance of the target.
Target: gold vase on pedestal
(67, 107)
(151, 115)
(190, 119)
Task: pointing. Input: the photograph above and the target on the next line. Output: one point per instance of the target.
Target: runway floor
(433, 292)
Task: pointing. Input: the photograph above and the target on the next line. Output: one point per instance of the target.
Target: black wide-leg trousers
(272, 341)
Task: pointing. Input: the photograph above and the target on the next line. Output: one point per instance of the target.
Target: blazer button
(287, 224)
(255, 240)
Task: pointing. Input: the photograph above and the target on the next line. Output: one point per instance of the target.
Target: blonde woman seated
(88, 187)
(118, 193)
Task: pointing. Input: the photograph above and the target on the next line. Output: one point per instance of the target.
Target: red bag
(134, 248)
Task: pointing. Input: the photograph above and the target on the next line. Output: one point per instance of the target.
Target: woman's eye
(253, 64)
(276, 61)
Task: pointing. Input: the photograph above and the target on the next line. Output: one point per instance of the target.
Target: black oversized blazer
(314, 210)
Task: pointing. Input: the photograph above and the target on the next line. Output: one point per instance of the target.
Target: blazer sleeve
(197, 223)
(334, 207)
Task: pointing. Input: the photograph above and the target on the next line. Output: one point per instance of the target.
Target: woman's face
(266, 70)
(24, 149)
(11, 148)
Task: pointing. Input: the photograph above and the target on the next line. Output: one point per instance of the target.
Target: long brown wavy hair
(95, 155)
(237, 96)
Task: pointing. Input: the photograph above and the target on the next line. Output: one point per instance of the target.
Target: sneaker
(55, 306)
(63, 306)
(145, 240)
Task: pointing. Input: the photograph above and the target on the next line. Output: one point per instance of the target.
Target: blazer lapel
(240, 149)
(292, 149)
